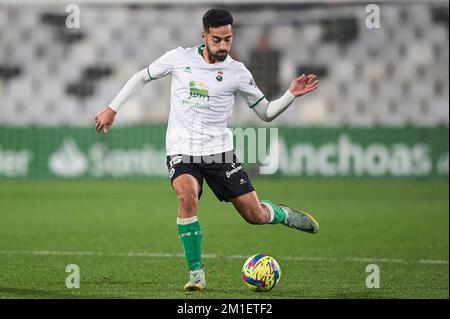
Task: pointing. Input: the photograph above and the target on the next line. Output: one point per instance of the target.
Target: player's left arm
(268, 111)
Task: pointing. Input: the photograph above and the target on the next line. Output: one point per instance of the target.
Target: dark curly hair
(214, 18)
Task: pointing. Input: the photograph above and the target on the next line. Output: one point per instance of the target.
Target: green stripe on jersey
(148, 71)
(252, 106)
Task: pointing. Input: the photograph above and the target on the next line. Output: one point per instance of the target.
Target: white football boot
(300, 220)
(196, 281)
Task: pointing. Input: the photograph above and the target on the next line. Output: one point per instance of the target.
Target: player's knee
(188, 202)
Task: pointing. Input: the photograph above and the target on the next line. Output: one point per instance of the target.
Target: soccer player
(199, 146)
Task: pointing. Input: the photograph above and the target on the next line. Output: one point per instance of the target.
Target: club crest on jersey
(219, 76)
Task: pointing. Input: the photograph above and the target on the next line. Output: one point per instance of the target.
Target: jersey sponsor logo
(187, 69)
(234, 170)
(243, 181)
(198, 95)
(198, 90)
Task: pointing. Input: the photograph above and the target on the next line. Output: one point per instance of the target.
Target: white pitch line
(445, 262)
(375, 260)
(215, 256)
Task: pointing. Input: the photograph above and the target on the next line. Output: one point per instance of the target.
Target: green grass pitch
(122, 235)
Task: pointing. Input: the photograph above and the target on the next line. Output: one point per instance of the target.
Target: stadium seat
(394, 75)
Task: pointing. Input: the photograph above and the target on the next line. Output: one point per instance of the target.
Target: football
(261, 272)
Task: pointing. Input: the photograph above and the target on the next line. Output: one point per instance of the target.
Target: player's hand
(104, 119)
(304, 84)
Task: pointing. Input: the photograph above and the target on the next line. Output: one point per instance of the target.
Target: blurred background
(383, 103)
(366, 153)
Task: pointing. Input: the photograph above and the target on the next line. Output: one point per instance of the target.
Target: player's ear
(204, 36)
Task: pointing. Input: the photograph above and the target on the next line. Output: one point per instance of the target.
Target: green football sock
(191, 239)
(277, 214)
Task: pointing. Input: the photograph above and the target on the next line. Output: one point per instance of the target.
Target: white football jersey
(202, 98)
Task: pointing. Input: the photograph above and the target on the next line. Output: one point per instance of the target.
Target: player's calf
(190, 234)
(254, 214)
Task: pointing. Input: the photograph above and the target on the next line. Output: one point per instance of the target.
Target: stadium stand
(393, 76)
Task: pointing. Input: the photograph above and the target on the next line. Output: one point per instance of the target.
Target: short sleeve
(163, 66)
(248, 89)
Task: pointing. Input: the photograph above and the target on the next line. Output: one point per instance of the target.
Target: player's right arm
(156, 70)
(105, 118)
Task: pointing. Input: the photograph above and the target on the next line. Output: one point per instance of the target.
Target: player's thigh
(227, 179)
(186, 178)
(186, 185)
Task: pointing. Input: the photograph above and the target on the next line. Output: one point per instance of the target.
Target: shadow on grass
(365, 294)
(44, 294)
